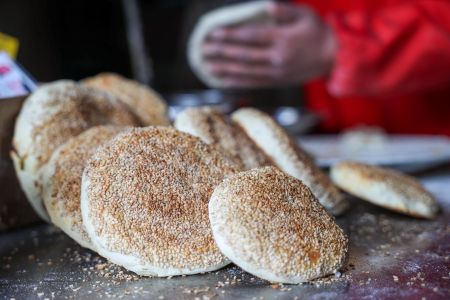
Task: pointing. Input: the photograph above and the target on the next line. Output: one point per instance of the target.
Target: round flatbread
(254, 12)
(214, 128)
(54, 113)
(144, 102)
(61, 178)
(271, 225)
(144, 201)
(385, 187)
(289, 157)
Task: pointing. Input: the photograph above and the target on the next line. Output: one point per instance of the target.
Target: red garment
(392, 67)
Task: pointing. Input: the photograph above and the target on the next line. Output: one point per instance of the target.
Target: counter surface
(390, 256)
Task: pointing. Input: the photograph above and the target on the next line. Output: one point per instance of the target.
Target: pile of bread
(100, 160)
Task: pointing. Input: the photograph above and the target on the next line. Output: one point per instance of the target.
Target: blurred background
(146, 40)
(76, 39)
(389, 104)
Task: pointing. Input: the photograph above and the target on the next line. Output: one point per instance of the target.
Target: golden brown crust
(148, 193)
(65, 110)
(289, 157)
(214, 128)
(62, 179)
(54, 113)
(270, 224)
(143, 101)
(385, 187)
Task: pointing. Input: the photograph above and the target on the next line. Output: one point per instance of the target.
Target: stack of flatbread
(100, 160)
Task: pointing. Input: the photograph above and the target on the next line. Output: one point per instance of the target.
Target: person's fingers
(236, 69)
(246, 54)
(282, 12)
(248, 34)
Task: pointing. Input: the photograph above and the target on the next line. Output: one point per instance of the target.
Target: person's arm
(399, 49)
(405, 48)
(299, 47)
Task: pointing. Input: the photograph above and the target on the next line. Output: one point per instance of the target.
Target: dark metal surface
(15, 210)
(391, 257)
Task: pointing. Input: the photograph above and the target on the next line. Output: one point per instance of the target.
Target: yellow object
(9, 44)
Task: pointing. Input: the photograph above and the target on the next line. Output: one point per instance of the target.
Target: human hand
(300, 46)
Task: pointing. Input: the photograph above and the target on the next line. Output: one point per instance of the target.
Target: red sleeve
(404, 48)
